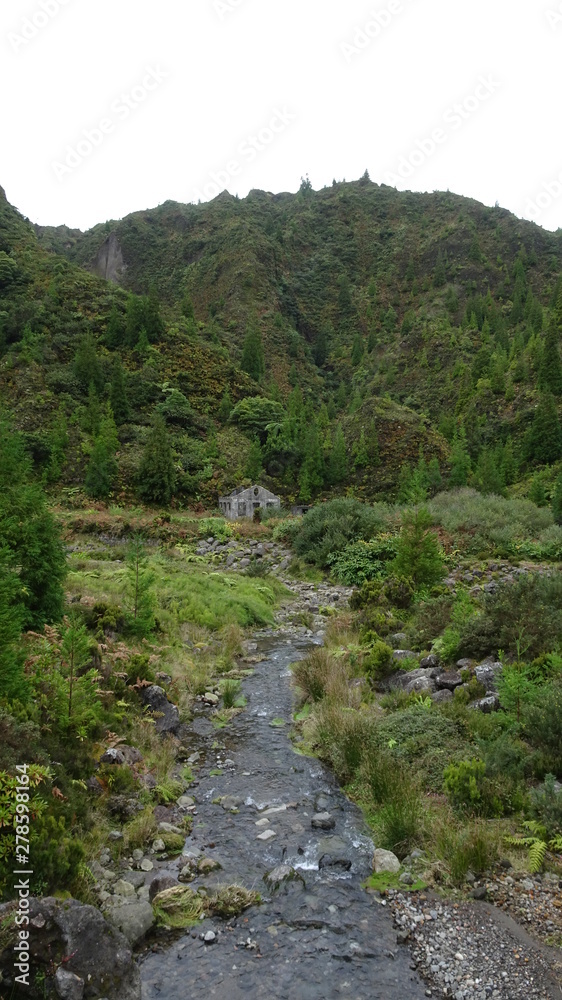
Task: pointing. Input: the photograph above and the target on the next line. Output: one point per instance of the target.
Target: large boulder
(76, 949)
(133, 919)
(166, 714)
(487, 674)
(385, 861)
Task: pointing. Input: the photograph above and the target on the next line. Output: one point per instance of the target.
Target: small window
(256, 491)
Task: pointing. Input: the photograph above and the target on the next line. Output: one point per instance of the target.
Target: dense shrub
(488, 523)
(545, 806)
(524, 619)
(418, 553)
(379, 663)
(330, 527)
(362, 560)
(542, 721)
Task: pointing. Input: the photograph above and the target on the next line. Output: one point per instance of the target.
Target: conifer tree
(488, 475)
(134, 320)
(439, 276)
(360, 452)
(537, 492)
(550, 375)
(545, 438)
(460, 460)
(434, 477)
(337, 460)
(357, 350)
(30, 534)
(254, 462)
(312, 470)
(86, 365)
(118, 394)
(508, 463)
(139, 589)
(156, 474)
(115, 332)
(102, 467)
(92, 412)
(418, 555)
(253, 361)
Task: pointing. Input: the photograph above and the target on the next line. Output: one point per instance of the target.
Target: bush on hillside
(330, 527)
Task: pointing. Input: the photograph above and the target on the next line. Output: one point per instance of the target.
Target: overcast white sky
(110, 106)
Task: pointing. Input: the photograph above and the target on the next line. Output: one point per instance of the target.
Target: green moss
(383, 881)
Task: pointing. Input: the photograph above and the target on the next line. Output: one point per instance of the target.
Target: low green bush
(378, 662)
(363, 560)
(545, 806)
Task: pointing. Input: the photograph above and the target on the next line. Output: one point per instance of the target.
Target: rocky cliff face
(109, 263)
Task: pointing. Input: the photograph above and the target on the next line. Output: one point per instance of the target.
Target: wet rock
(210, 937)
(164, 827)
(166, 714)
(229, 802)
(98, 954)
(321, 803)
(158, 845)
(210, 698)
(385, 861)
(323, 821)
(206, 865)
(407, 878)
(185, 802)
(134, 920)
(68, 986)
(398, 639)
(146, 865)
(123, 888)
(327, 861)
(283, 873)
(160, 883)
(266, 835)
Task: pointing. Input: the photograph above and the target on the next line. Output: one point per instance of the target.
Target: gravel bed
(465, 951)
(535, 901)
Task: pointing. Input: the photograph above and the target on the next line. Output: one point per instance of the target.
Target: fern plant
(537, 844)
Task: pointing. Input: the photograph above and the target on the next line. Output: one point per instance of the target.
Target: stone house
(244, 501)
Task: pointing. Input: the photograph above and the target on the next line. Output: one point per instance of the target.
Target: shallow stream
(317, 937)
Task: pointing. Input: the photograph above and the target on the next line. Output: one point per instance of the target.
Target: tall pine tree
(253, 361)
(156, 474)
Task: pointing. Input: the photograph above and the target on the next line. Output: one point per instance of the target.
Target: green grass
(383, 881)
(185, 593)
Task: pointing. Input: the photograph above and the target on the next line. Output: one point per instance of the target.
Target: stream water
(317, 937)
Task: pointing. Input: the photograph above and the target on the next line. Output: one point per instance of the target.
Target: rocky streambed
(276, 822)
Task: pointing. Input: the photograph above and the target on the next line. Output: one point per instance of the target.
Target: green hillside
(387, 329)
